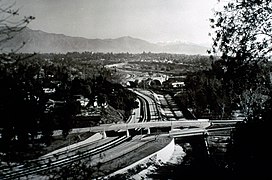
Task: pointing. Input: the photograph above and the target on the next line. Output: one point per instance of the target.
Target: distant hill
(42, 42)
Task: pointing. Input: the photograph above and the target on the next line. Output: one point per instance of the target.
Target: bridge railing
(201, 123)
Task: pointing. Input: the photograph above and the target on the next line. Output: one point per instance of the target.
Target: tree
(243, 30)
(205, 94)
(243, 37)
(19, 85)
(11, 23)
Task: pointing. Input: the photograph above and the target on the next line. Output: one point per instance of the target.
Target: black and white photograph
(135, 89)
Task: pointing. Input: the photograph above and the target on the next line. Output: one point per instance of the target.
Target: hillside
(42, 42)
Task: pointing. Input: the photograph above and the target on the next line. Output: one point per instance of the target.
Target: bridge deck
(202, 123)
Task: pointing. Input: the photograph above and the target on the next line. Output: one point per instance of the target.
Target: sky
(151, 20)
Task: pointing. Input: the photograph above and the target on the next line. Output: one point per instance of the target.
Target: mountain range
(43, 42)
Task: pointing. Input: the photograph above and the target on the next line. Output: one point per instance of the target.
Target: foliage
(243, 37)
(76, 170)
(206, 96)
(28, 109)
(22, 100)
(170, 63)
(239, 79)
(11, 23)
(250, 151)
(243, 31)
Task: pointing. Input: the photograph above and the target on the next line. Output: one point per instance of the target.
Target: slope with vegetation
(28, 86)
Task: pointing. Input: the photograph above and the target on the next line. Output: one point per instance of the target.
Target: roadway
(45, 163)
(93, 154)
(152, 107)
(101, 151)
(136, 113)
(203, 123)
(169, 109)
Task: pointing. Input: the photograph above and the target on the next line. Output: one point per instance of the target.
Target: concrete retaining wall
(165, 154)
(162, 155)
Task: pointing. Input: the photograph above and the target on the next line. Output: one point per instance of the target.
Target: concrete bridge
(201, 123)
(103, 128)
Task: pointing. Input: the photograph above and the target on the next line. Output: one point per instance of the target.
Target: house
(178, 84)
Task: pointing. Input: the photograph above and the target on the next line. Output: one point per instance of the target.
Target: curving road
(101, 151)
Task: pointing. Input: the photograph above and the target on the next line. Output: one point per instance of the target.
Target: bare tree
(11, 23)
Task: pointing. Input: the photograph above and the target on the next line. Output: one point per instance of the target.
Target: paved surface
(136, 113)
(153, 108)
(168, 107)
(203, 123)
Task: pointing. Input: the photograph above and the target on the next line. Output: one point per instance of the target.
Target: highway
(105, 150)
(202, 123)
(136, 113)
(58, 160)
(196, 131)
(169, 109)
(152, 111)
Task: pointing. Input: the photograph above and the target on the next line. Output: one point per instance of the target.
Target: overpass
(183, 128)
(201, 123)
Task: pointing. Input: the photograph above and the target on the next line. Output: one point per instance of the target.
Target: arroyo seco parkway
(156, 120)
